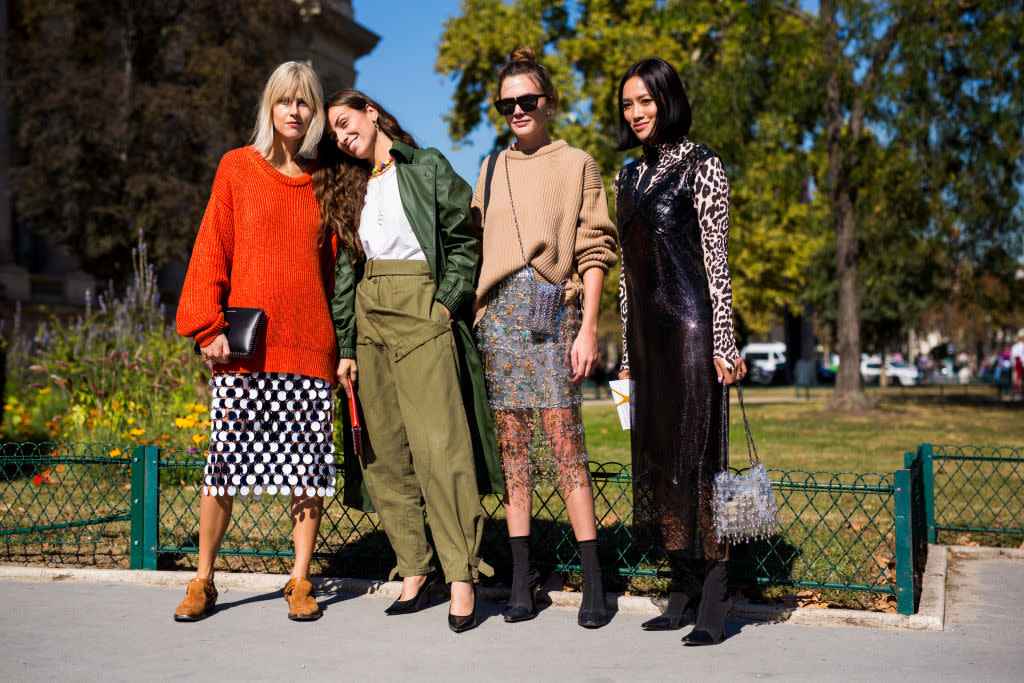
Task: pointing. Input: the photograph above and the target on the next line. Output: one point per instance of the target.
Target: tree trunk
(849, 391)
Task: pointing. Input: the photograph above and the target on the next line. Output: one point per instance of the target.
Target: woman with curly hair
(402, 301)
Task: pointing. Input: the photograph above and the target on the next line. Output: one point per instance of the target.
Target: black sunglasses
(508, 105)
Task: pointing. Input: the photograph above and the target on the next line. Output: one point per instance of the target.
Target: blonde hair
(282, 83)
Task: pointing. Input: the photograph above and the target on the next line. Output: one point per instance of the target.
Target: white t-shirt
(384, 229)
(1017, 351)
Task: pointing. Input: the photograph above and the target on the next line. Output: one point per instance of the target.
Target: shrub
(118, 373)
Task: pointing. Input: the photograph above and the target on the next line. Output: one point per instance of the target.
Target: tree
(941, 83)
(741, 63)
(123, 109)
(905, 115)
(903, 272)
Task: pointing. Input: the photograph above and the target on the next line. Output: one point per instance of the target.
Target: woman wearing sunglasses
(672, 208)
(402, 299)
(547, 244)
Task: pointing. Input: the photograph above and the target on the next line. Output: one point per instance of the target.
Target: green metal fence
(974, 489)
(64, 503)
(842, 532)
(863, 534)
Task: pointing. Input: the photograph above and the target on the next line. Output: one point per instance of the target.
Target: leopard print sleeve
(623, 305)
(711, 197)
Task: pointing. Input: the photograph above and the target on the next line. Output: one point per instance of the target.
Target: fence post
(144, 508)
(928, 482)
(904, 543)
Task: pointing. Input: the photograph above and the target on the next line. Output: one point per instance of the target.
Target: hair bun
(522, 54)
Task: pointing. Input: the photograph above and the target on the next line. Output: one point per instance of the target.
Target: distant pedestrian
(600, 376)
(1017, 365)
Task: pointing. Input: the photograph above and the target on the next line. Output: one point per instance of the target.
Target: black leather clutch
(244, 326)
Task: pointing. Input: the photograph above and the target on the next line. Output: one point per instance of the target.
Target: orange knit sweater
(256, 248)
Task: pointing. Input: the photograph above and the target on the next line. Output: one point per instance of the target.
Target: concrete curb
(973, 552)
(930, 615)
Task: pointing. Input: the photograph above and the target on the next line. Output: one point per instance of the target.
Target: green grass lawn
(806, 435)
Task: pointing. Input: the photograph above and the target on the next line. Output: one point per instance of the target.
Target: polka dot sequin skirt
(273, 433)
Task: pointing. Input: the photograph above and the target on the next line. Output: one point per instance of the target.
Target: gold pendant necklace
(380, 201)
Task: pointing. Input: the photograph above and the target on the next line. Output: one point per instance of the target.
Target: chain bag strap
(744, 504)
(545, 299)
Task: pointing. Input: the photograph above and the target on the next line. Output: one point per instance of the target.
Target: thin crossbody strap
(751, 449)
(515, 219)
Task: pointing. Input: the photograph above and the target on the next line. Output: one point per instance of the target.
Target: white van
(763, 360)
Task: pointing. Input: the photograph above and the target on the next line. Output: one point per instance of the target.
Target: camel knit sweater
(256, 248)
(562, 212)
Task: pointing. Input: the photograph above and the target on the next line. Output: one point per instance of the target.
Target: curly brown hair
(339, 180)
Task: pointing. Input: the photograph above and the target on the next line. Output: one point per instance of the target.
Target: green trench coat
(437, 203)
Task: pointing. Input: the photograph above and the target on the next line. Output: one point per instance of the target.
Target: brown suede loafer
(200, 597)
(301, 597)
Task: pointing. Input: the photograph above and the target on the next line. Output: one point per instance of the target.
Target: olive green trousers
(420, 468)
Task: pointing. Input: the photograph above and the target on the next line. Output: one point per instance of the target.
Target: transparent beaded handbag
(545, 299)
(744, 504)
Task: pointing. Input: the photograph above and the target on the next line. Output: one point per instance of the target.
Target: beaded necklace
(376, 173)
(381, 167)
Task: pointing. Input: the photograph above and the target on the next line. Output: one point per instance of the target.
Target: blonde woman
(545, 223)
(261, 245)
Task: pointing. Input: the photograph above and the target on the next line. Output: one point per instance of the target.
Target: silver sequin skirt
(534, 405)
(272, 433)
(524, 370)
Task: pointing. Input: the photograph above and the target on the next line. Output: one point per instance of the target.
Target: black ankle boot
(593, 612)
(715, 605)
(522, 604)
(684, 594)
(678, 609)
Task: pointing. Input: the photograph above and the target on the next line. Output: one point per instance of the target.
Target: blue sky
(399, 73)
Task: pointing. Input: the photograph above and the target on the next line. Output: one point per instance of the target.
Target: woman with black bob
(402, 302)
(675, 298)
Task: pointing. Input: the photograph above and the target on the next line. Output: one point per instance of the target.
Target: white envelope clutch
(620, 392)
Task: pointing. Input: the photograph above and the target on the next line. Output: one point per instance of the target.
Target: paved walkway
(88, 631)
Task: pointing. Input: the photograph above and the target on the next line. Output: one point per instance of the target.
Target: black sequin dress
(671, 231)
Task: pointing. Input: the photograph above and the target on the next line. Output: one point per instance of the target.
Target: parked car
(765, 361)
(895, 370)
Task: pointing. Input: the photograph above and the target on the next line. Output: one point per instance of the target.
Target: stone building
(41, 276)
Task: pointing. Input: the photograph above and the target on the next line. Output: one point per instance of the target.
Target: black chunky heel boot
(593, 612)
(715, 605)
(522, 604)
